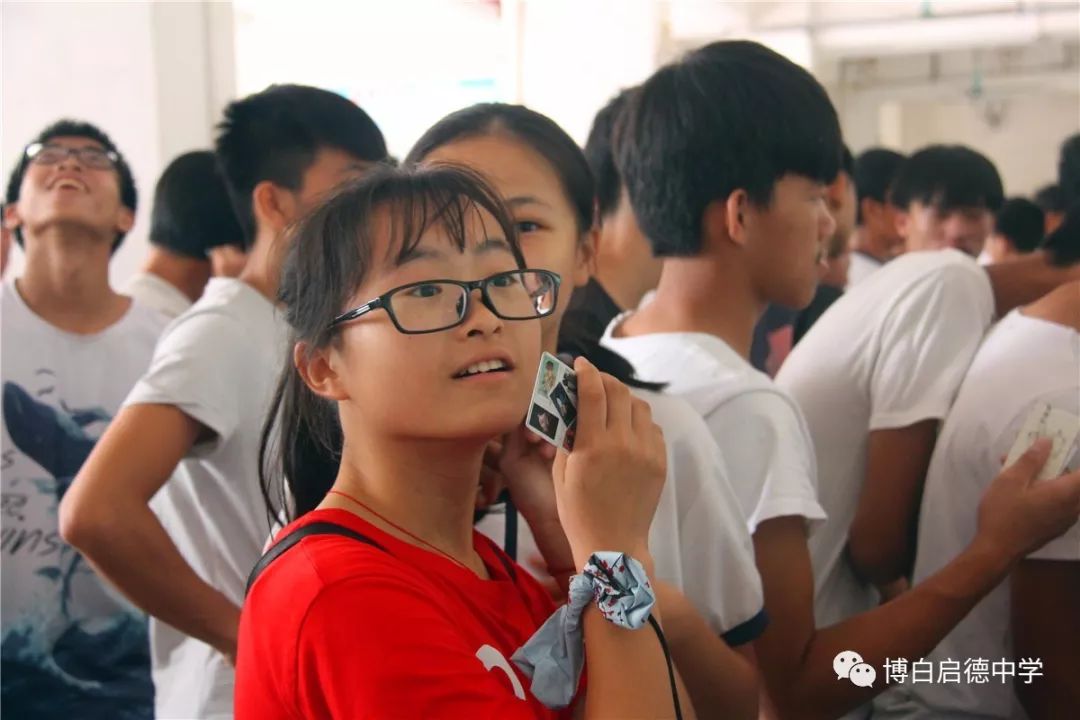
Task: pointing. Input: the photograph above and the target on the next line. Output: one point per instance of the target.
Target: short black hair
(192, 212)
(1021, 222)
(948, 177)
(1063, 245)
(1048, 197)
(1069, 170)
(600, 153)
(534, 129)
(731, 115)
(129, 196)
(847, 162)
(875, 170)
(274, 135)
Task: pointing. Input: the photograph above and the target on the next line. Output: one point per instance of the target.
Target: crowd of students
(285, 473)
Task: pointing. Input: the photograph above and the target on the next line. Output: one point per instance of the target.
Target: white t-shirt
(759, 430)
(72, 647)
(155, 292)
(888, 354)
(1005, 380)
(218, 363)
(862, 266)
(698, 538)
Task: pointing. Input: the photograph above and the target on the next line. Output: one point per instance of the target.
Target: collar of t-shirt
(416, 557)
(701, 367)
(17, 309)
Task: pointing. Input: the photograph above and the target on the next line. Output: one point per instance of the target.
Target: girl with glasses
(415, 342)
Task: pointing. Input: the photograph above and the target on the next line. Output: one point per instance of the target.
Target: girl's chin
(469, 427)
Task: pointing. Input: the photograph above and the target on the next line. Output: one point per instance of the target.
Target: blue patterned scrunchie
(554, 656)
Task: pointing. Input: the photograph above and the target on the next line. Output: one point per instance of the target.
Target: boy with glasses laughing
(72, 349)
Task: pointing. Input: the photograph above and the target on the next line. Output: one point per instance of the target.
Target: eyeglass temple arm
(357, 312)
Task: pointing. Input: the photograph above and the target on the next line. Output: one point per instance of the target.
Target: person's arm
(881, 540)
(106, 516)
(525, 464)
(606, 492)
(1046, 627)
(721, 681)
(1016, 516)
(1026, 279)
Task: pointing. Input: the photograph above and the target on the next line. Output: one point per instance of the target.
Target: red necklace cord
(397, 527)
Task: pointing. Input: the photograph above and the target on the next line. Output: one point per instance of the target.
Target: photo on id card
(553, 410)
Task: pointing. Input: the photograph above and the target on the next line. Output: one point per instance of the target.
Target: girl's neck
(421, 492)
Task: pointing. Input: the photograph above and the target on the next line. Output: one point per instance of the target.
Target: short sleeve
(717, 569)
(377, 647)
(926, 344)
(768, 452)
(195, 368)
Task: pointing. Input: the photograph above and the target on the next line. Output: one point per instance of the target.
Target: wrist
(991, 558)
(635, 550)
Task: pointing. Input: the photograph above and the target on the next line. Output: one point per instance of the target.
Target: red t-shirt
(336, 628)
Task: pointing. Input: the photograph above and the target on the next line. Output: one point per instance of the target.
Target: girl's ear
(586, 257)
(316, 369)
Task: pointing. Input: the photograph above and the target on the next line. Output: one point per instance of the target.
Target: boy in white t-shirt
(72, 349)
(1037, 618)
(732, 195)
(877, 375)
(191, 217)
(876, 240)
(198, 414)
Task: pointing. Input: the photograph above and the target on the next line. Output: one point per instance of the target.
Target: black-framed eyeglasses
(91, 157)
(433, 305)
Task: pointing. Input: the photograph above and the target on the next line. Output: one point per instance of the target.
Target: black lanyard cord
(670, 667)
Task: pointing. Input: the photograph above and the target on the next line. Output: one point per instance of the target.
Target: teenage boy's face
(786, 240)
(879, 221)
(926, 227)
(840, 199)
(547, 224)
(70, 193)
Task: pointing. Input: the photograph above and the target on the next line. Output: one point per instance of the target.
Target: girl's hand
(607, 489)
(525, 464)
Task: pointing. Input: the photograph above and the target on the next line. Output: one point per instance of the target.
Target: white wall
(574, 56)
(1024, 146)
(151, 75)
(1021, 132)
(407, 63)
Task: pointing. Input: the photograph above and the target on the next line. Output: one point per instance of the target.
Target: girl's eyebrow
(417, 253)
(492, 243)
(489, 244)
(519, 200)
